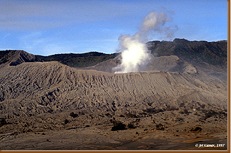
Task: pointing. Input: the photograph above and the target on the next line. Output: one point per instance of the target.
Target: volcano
(76, 101)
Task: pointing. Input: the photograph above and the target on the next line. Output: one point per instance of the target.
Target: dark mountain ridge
(77, 60)
(16, 57)
(195, 52)
(214, 53)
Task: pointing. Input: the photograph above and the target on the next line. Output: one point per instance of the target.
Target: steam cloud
(134, 53)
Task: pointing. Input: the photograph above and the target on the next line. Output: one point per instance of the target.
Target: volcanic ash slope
(48, 105)
(41, 87)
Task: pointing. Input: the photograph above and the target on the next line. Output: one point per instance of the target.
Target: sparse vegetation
(196, 129)
(2, 121)
(160, 127)
(66, 121)
(117, 125)
(72, 114)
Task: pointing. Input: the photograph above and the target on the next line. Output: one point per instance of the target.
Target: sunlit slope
(40, 87)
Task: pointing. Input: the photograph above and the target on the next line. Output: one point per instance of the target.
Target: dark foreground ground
(98, 139)
(118, 134)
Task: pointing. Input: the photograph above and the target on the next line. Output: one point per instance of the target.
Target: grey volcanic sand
(93, 138)
(49, 105)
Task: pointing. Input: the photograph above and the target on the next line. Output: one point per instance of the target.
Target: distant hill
(214, 53)
(77, 60)
(15, 57)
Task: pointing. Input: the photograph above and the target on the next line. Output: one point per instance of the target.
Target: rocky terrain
(178, 101)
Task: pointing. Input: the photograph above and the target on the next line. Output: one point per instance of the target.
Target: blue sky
(62, 26)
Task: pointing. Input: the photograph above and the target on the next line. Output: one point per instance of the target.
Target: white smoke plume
(134, 53)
